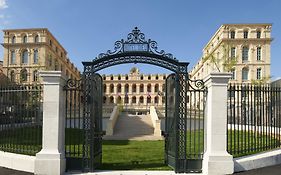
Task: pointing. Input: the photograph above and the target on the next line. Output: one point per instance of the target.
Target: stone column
(216, 160)
(51, 159)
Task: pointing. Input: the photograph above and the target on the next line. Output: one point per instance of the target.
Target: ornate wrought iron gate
(84, 122)
(184, 106)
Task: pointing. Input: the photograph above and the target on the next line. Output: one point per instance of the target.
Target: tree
(227, 61)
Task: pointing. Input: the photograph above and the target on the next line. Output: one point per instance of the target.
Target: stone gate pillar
(216, 160)
(51, 159)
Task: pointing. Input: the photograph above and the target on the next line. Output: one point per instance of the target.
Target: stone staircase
(133, 127)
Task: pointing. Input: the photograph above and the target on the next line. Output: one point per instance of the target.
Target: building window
(134, 100)
(245, 73)
(12, 76)
(141, 88)
(134, 88)
(35, 75)
(164, 77)
(24, 57)
(126, 88)
(127, 78)
(149, 77)
(13, 57)
(23, 75)
(141, 99)
(111, 88)
(111, 99)
(119, 77)
(258, 34)
(245, 34)
(245, 54)
(148, 100)
(111, 77)
(233, 52)
(156, 88)
(104, 99)
(13, 39)
(233, 74)
(104, 88)
(24, 39)
(126, 99)
(258, 53)
(50, 60)
(232, 34)
(119, 100)
(156, 77)
(156, 100)
(35, 56)
(56, 65)
(141, 77)
(51, 44)
(119, 88)
(258, 73)
(104, 77)
(36, 39)
(149, 88)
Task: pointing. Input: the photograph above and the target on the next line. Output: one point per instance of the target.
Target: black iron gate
(84, 123)
(184, 107)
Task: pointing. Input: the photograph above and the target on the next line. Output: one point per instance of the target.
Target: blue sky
(182, 27)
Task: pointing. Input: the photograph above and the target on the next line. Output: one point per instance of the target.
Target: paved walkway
(273, 170)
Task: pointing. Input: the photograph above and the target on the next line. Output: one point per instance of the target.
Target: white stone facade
(28, 51)
(134, 89)
(248, 44)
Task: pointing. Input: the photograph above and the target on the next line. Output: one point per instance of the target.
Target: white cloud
(3, 4)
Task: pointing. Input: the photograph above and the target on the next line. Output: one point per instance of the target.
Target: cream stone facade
(134, 89)
(242, 49)
(27, 51)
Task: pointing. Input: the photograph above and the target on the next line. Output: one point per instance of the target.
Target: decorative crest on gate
(136, 42)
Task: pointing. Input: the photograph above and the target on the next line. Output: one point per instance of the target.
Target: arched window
(13, 40)
(245, 54)
(149, 88)
(149, 77)
(134, 88)
(13, 57)
(23, 75)
(118, 100)
(111, 88)
(232, 34)
(24, 39)
(126, 88)
(12, 76)
(104, 88)
(148, 100)
(141, 88)
(164, 77)
(141, 99)
(111, 77)
(35, 75)
(104, 99)
(245, 72)
(24, 57)
(156, 100)
(156, 88)
(141, 77)
(36, 39)
(119, 77)
(156, 77)
(126, 101)
(127, 78)
(119, 88)
(35, 56)
(111, 99)
(134, 99)
(104, 77)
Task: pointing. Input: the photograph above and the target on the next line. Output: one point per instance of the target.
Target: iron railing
(253, 118)
(21, 119)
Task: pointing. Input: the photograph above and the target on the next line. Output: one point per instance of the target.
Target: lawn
(133, 155)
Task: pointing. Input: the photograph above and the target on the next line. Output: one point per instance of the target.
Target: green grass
(133, 155)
